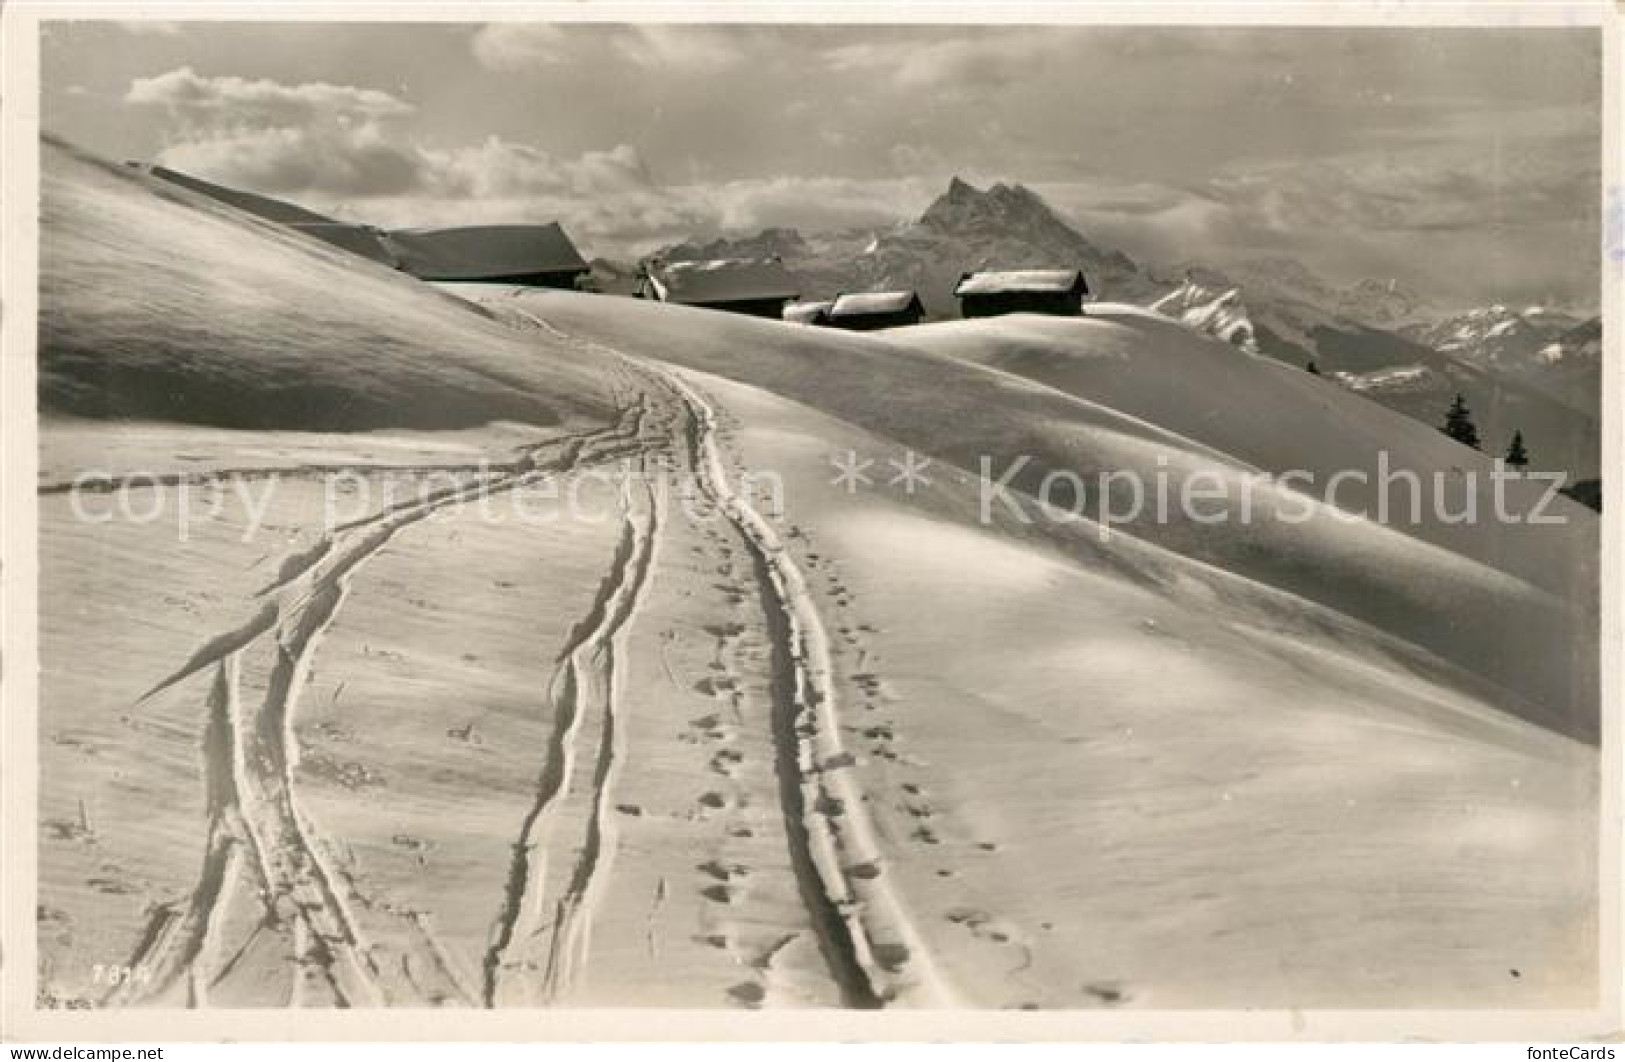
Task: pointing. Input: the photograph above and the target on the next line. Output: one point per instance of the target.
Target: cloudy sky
(1462, 161)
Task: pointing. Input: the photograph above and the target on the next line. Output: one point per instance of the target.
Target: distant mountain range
(965, 229)
(1376, 303)
(1553, 351)
(1496, 337)
(1381, 338)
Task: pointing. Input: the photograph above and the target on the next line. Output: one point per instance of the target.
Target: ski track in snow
(575, 784)
(539, 946)
(873, 948)
(249, 757)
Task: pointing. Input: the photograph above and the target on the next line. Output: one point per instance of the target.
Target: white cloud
(333, 147)
(500, 169)
(613, 213)
(811, 203)
(518, 45)
(622, 225)
(968, 62)
(1426, 218)
(322, 158)
(692, 48)
(199, 99)
(273, 137)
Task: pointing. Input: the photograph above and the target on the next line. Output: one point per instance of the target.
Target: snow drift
(1131, 394)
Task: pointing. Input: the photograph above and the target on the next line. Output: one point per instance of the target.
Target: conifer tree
(1458, 423)
(1517, 456)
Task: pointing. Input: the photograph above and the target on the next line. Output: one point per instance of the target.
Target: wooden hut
(534, 255)
(760, 287)
(868, 310)
(1060, 292)
(539, 255)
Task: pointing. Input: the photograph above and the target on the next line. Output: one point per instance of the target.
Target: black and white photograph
(819, 512)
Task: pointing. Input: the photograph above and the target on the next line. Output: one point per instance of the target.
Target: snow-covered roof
(807, 312)
(721, 280)
(474, 252)
(478, 252)
(993, 282)
(861, 303)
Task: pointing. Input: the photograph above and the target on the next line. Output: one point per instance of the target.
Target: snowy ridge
(1498, 336)
(1217, 313)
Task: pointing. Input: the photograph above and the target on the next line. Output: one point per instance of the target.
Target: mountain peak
(1011, 225)
(1011, 191)
(1004, 209)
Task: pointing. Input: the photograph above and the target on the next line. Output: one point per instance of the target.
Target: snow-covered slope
(658, 711)
(210, 339)
(802, 399)
(1155, 396)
